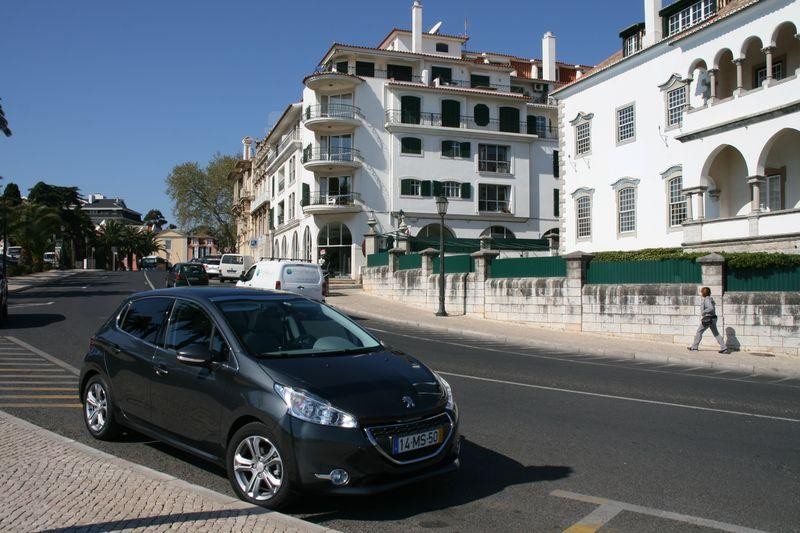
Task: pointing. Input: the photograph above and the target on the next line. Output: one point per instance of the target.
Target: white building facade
(381, 131)
(690, 136)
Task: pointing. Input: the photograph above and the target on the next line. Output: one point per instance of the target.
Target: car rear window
(212, 261)
(301, 274)
(145, 316)
(233, 260)
(196, 270)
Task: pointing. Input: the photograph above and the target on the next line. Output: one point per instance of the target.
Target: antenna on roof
(435, 28)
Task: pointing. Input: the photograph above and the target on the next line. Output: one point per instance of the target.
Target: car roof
(211, 294)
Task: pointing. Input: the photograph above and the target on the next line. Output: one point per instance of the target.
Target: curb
(604, 352)
(228, 502)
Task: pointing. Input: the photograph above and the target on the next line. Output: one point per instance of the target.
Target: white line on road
(612, 505)
(40, 353)
(148, 280)
(32, 304)
(624, 398)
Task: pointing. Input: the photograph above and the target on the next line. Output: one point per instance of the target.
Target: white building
(690, 134)
(380, 131)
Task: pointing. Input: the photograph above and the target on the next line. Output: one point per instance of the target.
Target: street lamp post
(441, 208)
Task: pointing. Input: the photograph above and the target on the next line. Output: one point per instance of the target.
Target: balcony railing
(293, 135)
(468, 84)
(345, 111)
(397, 117)
(373, 73)
(321, 198)
(324, 154)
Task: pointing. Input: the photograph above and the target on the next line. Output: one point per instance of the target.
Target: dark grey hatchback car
(286, 393)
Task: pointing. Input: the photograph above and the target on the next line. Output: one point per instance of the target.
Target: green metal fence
(746, 279)
(466, 246)
(643, 272)
(529, 267)
(379, 259)
(455, 264)
(406, 262)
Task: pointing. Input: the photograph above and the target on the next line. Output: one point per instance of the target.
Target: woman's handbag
(707, 320)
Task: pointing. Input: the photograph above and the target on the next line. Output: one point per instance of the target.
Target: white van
(232, 266)
(305, 279)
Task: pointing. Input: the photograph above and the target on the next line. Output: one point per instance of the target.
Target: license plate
(407, 443)
(231, 270)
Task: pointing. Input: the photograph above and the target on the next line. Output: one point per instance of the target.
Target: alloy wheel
(258, 468)
(96, 407)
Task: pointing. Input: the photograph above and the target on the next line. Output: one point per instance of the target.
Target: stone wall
(539, 300)
(763, 321)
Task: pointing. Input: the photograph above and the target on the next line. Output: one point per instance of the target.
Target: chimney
(416, 27)
(246, 152)
(652, 23)
(549, 56)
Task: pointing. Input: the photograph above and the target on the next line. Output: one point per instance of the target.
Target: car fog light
(339, 477)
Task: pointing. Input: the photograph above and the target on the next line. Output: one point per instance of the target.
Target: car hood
(370, 386)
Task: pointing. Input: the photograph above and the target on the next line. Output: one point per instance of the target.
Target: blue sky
(109, 96)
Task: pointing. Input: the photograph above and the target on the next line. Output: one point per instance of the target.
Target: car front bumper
(320, 449)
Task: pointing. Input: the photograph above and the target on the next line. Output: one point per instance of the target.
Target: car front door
(130, 347)
(187, 399)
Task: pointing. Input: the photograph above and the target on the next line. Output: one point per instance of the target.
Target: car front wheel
(98, 409)
(257, 469)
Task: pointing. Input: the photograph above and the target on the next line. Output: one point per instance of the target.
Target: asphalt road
(551, 439)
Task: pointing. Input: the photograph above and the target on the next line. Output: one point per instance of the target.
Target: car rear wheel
(257, 470)
(98, 409)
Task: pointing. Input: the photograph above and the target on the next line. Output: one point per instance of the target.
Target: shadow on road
(483, 473)
(18, 320)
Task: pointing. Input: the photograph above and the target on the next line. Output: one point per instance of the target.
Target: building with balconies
(380, 131)
(689, 135)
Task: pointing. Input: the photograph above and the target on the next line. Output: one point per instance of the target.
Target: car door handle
(161, 370)
(114, 347)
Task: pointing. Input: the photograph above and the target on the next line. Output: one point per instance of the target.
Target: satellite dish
(435, 29)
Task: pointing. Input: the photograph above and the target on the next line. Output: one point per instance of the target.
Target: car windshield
(233, 260)
(294, 327)
(212, 261)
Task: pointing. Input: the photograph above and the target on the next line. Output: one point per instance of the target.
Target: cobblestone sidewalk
(51, 483)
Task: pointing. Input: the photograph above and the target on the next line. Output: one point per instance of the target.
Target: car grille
(381, 437)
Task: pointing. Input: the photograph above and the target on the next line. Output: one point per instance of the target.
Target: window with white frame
(676, 104)
(451, 189)
(292, 169)
(777, 73)
(626, 206)
(633, 44)
(677, 202)
(414, 188)
(583, 216)
(772, 199)
(291, 207)
(626, 124)
(583, 140)
(494, 198)
(692, 15)
(493, 158)
(281, 179)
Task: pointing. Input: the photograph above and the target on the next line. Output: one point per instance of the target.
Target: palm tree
(110, 235)
(33, 228)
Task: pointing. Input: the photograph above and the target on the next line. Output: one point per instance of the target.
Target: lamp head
(441, 205)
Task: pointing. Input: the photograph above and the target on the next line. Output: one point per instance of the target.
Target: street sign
(253, 243)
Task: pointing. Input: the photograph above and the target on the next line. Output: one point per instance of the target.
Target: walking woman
(708, 319)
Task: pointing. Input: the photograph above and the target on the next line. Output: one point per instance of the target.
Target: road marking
(36, 396)
(37, 351)
(596, 519)
(658, 513)
(3, 388)
(623, 398)
(581, 359)
(782, 379)
(24, 369)
(32, 304)
(58, 381)
(147, 279)
(32, 362)
(39, 405)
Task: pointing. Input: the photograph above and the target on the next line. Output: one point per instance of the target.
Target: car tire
(255, 444)
(4, 312)
(98, 409)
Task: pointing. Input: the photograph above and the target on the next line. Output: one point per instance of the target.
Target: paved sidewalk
(51, 483)
(21, 283)
(359, 303)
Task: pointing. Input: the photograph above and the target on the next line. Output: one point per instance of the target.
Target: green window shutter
(410, 109)
(425, 188)
(481, 115)
(447, 148)
(411, 145)
(341, 66)
(556, 203)
(451, 113)
(437, 188)
(465, 150)
(466, 191)
(405, 187)
(509, 119)
(365, 68)
(271, 218)
(306, 200)
(556, 170)
(531, 130)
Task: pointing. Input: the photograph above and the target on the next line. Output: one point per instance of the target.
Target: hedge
(738, 260)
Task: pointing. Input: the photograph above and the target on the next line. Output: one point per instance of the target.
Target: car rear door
(302, 278)
(130, 347)
(187, 399)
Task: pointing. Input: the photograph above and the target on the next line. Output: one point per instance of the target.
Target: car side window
(249, 275)
(145, 317)
(189, 324)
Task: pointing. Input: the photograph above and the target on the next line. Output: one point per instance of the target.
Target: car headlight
(307, 407)
(451, 404)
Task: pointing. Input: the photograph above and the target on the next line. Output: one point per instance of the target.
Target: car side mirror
(195, 355)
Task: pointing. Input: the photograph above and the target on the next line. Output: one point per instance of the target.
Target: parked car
(182, 274)
(305, 279)
(153, 262)
(284, 392)
(211, 264)
(232, 266)
(14, 253)
(50, 258)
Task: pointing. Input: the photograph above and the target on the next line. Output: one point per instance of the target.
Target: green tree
(4, 122)
(54, 196)
(112, 234)
(76, 227)
(33, 229)
(155, 219)
(204, 197)
(11, 195)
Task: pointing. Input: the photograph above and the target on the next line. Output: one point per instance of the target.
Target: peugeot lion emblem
(408, 402)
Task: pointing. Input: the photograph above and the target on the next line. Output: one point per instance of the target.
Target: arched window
(334, 234)
(481, 115)
(307, 244)
(276, 248)
(498, 232)
(295, 247)
(583, 217)
(433, 231)
(283, 248)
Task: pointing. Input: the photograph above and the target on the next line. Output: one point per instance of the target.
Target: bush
(735, 260)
